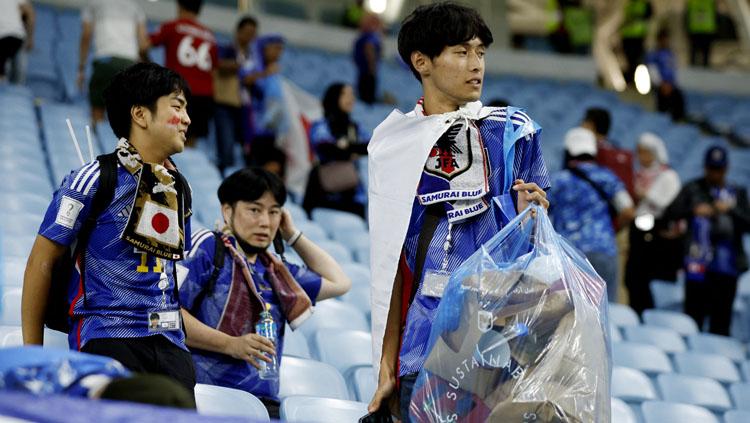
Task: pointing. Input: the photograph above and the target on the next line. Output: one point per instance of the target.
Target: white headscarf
(653, 143)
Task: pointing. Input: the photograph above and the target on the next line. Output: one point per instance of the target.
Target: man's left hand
(286, 226)
(528, 193)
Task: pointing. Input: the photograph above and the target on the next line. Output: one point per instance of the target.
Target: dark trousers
(650, 257)
(9, 46)
(228, 133)
(152, 354)
(367, 87)
(406, 386)
(633, 49)
(700, 49)
(672, 103)
(712, 298)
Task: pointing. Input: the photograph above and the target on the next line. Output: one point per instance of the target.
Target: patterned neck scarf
(157, 217)
(244, 303)
(456, 173)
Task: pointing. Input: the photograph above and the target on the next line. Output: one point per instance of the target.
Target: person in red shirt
(190, 50)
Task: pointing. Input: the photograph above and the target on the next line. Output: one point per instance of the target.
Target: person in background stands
(338, 143)
(228, 92)
(587, 199)
(190, 50)
(718, 216)
(119, 33)
(368, 51)
(654, 251)
(16, 29)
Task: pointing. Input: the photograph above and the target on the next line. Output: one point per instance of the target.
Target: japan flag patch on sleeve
(68, 212)
(160, 223)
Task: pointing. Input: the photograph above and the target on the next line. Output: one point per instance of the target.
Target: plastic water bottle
(266, 327)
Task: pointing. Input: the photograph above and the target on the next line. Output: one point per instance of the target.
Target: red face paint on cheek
(174, 120)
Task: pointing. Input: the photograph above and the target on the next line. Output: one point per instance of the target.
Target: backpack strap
(430, 221)
(580, 174)
(103, 196)
(218, 264)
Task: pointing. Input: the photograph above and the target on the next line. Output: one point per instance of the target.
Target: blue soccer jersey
(580, 214)
(121, 284)
(468, 235)
(220, 369)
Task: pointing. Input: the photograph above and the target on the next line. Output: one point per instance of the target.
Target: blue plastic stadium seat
(622, 315)
(621, 412)
(215, 400)
(334, 314)
(295, 344)
(55, 339)
(670, 412)
(298, 213)
(666, 339)
(632, 385)
(679, 322)
(614, 333)
(342, 349)
(737, 416)
(695, 390)
(10, 336)
(309, 377)
(337, 220)
(713, 366)
(340, 253)
(741, 395)
(646, 358)
(745, 368)
(359, 274)
(312, 231)
(312, 410)
(667, 295)
(723, 345)
(359, 297)
(362, 383)
(13, 269)
(11, 308)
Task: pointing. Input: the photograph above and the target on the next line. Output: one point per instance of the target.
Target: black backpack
(57, 311)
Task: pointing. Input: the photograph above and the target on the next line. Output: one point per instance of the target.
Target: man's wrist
(294, 238)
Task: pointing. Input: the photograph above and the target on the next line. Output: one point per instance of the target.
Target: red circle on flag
(160, 222)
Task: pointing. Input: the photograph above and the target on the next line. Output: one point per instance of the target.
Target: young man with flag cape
(444, 178)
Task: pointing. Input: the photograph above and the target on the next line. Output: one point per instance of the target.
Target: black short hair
(600, 118)
(249, 184)
(430, 28)
(191, 5)
(141, 84)
(247, 20)
(153, 316)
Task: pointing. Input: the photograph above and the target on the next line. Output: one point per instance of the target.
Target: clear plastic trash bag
(520, 335)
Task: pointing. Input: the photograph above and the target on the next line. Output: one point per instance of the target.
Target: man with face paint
(222, 301)
(124, 279)
(444, 179)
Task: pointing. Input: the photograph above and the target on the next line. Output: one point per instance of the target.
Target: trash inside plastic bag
(521, 334)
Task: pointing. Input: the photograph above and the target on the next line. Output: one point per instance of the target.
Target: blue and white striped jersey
(468, 235)
(121, 283)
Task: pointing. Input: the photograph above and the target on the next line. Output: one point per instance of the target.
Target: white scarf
(398, 150)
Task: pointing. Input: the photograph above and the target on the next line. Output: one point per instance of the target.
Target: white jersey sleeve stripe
(83, 174)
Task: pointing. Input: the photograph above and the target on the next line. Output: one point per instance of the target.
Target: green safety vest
(579, 24)
(636, 23)
(551, 13)
(701, 16)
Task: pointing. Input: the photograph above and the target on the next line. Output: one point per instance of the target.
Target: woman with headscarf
(337, 142)
(655, 252)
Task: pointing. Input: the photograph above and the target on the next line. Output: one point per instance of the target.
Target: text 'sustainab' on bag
(520, 334)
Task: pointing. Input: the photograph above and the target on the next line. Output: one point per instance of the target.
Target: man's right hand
(250, 348)
(386, 388)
